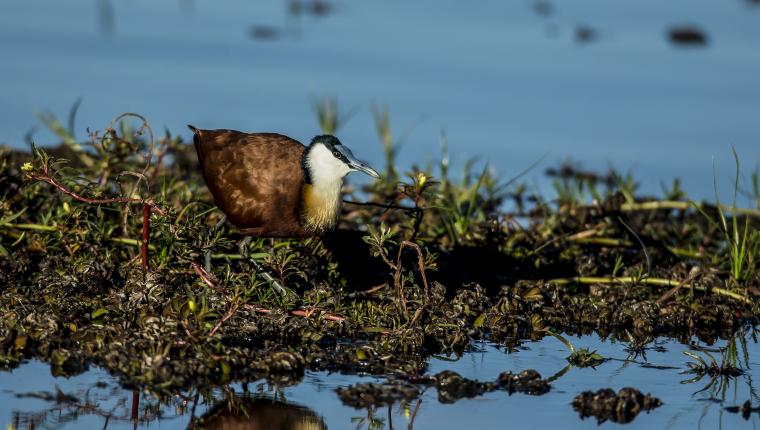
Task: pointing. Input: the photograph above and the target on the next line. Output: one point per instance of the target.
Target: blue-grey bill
(363, 167)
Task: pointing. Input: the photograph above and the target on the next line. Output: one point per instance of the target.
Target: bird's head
(326, 160)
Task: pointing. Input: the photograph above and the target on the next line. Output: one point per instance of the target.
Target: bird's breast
(320, 207)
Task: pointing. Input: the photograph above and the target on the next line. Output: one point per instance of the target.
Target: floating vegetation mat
(620, 407)
(113, 255)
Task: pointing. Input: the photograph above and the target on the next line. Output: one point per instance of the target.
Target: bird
(270, 185)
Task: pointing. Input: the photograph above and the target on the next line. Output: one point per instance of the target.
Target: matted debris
(620, 407)
(361, 396)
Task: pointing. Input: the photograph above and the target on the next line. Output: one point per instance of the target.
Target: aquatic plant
(114, 254)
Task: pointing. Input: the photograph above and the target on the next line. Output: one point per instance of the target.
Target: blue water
(686, 405)
(506, 83)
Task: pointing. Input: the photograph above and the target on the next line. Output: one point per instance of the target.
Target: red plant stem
(62, 188)
(299, 313)
(228, 315)
(148, 206)
(206, 278)
(135, 405)
(145, 235)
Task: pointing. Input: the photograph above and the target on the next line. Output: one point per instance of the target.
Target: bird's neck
(321, 205)
(320, 199)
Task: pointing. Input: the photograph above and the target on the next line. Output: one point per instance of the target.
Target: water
(686, 404)
(506, 83)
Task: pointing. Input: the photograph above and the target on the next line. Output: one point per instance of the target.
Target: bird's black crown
(328, 140)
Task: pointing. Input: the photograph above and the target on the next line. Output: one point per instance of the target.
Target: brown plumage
(266, 184)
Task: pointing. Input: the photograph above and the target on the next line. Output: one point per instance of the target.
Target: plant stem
(36, 227)
(680, 205)
(588, 280)
(604, 241)
(145, 236)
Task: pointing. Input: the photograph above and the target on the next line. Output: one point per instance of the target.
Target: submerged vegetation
(113, 255)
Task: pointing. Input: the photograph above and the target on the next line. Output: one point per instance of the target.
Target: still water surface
(687, 405)
(508, 81)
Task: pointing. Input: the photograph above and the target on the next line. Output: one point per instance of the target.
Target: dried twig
(420, 267)
(230, 312)
(298, 312)
(588, 280)
(206, 277)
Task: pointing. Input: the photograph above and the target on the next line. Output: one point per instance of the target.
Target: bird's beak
(361, 166)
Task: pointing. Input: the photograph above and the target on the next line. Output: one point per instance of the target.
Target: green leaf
(98, 313)
(479, 321)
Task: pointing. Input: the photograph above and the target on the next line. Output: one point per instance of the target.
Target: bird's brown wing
(255, 178)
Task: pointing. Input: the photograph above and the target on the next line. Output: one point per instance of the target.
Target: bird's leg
(220, 223)
(207, 254)
(243, 247)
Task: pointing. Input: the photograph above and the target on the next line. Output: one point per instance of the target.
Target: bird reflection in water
(239, 413)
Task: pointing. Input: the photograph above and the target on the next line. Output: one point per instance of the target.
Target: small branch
(36, 227)
(145, 236)
(132, 242)
(681, 205)
(397, 276)
(299, 313)
(414, 413)
(584, 238)
(603, 241)
(668, 294)
(420, 266)
(306, 314)
(45, 177)
(656, 205)
(380, 205)
(206, 278)
(233, 309)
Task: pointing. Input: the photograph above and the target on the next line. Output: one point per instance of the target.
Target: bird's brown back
(256, 179)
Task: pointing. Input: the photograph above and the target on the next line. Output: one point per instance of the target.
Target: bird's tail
(196, 136)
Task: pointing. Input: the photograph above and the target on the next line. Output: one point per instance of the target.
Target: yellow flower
(27, 167)
(421, 179)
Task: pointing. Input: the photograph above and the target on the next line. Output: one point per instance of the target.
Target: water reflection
(712, 385)
(106, 402)
(258, 413)
(106, 17)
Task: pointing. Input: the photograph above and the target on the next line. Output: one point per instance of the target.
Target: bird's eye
(336, 154)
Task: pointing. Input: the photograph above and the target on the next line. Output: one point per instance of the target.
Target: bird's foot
(269, 278)
(220, 223)
(243, 247)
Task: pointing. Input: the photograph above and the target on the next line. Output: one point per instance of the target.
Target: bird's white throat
(321, 199)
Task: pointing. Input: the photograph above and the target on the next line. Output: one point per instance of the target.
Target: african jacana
(269, 185)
